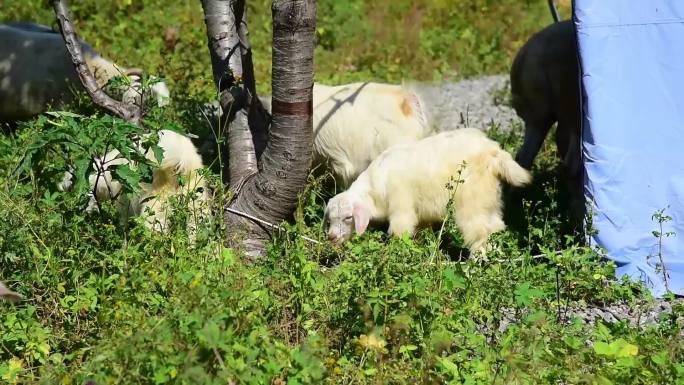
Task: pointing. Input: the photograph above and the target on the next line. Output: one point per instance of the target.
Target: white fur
(356, 122)
(161, 91)
(36, 70)
(406, 185)
(180, 158)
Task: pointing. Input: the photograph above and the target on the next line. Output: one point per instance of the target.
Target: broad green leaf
(228, 256)
(603, 349)
(452, 280)
(158, 153)
(624, 349)
(211, 334)
(525, 294)
(661, 359)
(572, 342)
(370, 371)
(450, 366)
(407, 348)
(128, 176)
(63, 114)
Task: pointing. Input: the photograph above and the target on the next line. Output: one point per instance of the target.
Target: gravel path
(469, 103)
(641, 315)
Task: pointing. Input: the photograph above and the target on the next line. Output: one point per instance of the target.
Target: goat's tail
(179, 152)
(507, 169)
(415, 102)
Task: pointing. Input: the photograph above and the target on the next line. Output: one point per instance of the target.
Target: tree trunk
(259, 118)
(268, 192)
(272, 194)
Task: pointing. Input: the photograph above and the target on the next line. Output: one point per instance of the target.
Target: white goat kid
(36, 70)
(406, 185)
(180, 159)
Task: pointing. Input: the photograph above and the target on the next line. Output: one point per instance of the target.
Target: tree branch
(129, 112)
(224, 42)
(259, 118)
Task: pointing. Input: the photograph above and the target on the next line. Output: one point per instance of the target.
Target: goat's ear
(361, 215)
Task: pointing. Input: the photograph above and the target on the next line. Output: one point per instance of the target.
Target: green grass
(114, 303)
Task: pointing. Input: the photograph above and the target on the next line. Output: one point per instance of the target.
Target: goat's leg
(535, 133)
(570, 152)
(479, 218)
(401, 223)
(477, 229)
(577, 201)
(568, 142)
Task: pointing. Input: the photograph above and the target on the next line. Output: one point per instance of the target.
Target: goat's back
(355, 123)
(424, 168)
(36, 69)
(545, 74)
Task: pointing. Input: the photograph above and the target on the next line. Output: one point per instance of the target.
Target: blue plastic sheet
(632, 60)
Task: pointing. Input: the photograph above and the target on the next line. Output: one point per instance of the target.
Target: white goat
(354, 123)
(407, 185)
(36, 70)
(180, 159)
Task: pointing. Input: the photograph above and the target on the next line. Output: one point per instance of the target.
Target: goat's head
(345, 214)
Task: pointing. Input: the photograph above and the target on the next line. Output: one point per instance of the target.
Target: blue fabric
(632, 59)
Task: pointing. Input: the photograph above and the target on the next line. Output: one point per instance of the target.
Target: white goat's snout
(338, 236)
(338, 219)
(332, 237)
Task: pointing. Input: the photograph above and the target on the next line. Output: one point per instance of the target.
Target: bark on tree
(129, 112)
(267, 191)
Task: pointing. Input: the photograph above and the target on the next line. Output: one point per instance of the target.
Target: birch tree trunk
(268, 190)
